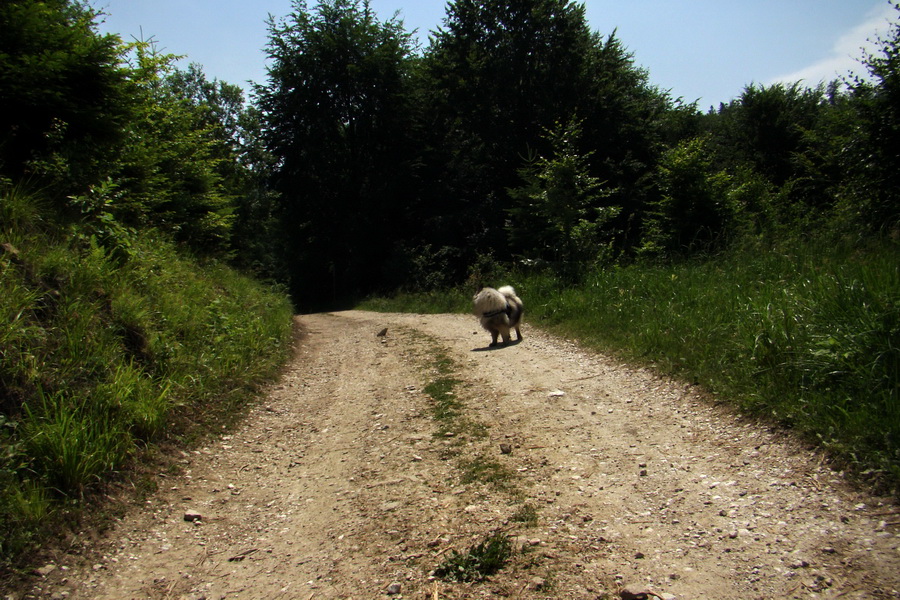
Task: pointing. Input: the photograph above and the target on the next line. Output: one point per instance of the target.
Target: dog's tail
(508, 292)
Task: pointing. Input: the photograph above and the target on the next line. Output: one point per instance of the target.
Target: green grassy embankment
(111, 342)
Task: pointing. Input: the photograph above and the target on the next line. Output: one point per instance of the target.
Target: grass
(480, 561)
(448, 411)
(106, 354)
(488, 471)
(428, 302)
(526, 514)
(806, 334)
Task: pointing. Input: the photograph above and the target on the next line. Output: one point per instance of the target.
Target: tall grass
(102, 354)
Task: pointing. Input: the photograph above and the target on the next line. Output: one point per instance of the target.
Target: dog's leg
(494, 334)
(518, 333)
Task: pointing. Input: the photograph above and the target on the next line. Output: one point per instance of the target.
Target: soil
(609, 481)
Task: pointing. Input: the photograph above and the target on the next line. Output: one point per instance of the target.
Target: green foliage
(497, 76)
(479, 562)
(62, 90)
(70, 443)
(104, 353)
(765, 127)
(337, 115)
(560, 214)
(693, 213)
(487, 471)
(171, 168)
(437, 301)
(447, 406)
(877, 183)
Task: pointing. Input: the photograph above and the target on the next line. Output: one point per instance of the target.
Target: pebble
(192, 516)
(630, 592)
(394, 589)
(537, 584)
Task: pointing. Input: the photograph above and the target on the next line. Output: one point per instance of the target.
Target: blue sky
(706, 50)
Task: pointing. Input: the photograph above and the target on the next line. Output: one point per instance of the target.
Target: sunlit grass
(102, 357)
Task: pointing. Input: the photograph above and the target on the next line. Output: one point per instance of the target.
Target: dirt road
(342, 484)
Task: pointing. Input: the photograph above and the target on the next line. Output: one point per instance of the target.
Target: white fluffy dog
(499, 311)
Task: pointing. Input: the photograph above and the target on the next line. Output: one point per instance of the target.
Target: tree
(337, 115)
(765, 127)
(170, 170)
(501, 73)
(876, 199)
(498, 74)
(559, 214)
(63, 92)
(692, 213)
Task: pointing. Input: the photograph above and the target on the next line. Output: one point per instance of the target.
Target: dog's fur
(499, 311)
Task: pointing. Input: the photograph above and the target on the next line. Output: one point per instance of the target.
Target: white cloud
(846, 52)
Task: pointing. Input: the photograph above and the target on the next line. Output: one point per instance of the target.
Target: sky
(699, 50)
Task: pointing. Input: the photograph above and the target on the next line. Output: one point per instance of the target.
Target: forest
(517, 141)
(367, 164)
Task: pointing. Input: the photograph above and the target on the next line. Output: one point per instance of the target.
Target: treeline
(519, 134)
(366, 163)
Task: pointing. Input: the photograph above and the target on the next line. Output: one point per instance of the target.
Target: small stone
(643, 472)
(394, 589)
(192, 516)
(638, 555)
(505, 448)
(799, 564)
(537, 584)
(634, 593)
(382, 333)
(828, 550)
(45, 570)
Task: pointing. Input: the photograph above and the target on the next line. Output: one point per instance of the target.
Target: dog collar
(494, 313)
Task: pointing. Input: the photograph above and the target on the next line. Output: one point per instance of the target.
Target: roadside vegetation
(105, 357)
(126, 326)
